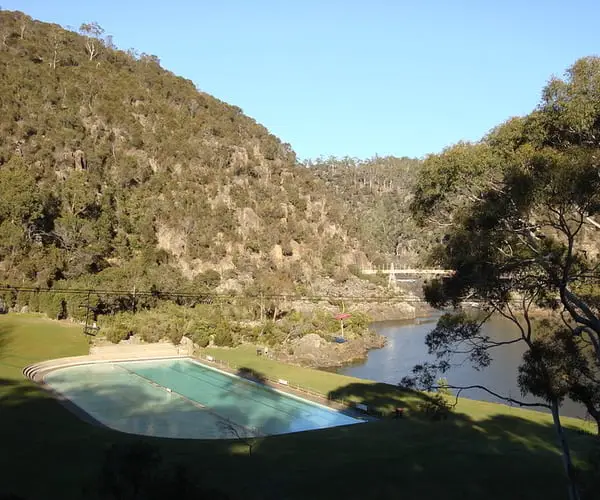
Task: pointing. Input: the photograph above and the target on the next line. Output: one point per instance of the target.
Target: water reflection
(406, 348)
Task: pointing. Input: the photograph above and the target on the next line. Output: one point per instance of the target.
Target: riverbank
(406, 348)
(471, 454)
(314, 351)
(382, 397)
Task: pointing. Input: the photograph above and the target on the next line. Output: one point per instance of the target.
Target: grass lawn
(483, 451)
(26, 339)
(382, 397)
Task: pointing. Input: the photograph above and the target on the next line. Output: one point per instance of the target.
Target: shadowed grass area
(483, 451)
(383, 398)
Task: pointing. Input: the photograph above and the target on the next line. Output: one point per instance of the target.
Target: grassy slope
(25, 339)
(385, 396)
(485, 450)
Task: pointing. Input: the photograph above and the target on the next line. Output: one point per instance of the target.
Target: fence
(285, 384)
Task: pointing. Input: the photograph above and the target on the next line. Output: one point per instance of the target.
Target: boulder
(186, 346)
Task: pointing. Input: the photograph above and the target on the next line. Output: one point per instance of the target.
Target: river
(406, 347)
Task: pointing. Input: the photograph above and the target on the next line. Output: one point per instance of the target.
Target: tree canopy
(108, 160)
(520, 209)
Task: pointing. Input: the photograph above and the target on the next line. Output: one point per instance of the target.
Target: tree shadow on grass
(380, 399)
(501, 456)
(70, 455)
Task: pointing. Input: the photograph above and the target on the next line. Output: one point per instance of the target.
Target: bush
(272, 334)
(208, 280)
(53, 305)
(175, 335)
(199, 332)
(438, 407)
(116, 333)
(201, 341)
(355, 270)
(224, 338)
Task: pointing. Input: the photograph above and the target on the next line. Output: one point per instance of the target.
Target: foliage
(519, 208)
(560, 364)
(377, 193)
(117, 173)
(437, 407)
(494, 440)
(223, 337)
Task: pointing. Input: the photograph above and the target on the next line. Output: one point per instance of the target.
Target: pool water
(180, 398)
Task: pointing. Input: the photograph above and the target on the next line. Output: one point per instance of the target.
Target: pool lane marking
(253, 432)
(208, 375)
(291, 410)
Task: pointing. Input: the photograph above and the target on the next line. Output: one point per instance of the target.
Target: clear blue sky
(354, 78)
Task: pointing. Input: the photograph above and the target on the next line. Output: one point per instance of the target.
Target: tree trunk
(566, 454)
(595, 414)
(262, 308)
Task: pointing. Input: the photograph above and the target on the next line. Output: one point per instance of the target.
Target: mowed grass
(26, 339)
(245, 356)
(483, 451)
(383, 398)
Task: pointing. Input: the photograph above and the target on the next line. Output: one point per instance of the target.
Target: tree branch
(489, 391)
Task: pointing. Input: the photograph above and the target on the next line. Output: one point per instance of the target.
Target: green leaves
(519, 208)
(20, 200)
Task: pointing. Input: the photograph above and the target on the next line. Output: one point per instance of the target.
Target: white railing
(286, 384)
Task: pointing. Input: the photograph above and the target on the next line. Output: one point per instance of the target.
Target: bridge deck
(410, 272)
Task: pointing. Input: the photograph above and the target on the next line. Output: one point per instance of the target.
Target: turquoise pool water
(184, 399)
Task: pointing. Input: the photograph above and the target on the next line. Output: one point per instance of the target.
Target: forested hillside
(115, 173)
(377, 194)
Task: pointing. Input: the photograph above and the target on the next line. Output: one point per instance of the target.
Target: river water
(406, 347)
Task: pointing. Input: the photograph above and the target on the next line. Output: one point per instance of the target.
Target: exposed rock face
(171, 240)
(314, 351)
(389, 311)
(186, 346)
(248, 220)
(3, 307)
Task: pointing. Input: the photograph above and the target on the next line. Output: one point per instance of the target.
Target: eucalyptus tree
(519, 210)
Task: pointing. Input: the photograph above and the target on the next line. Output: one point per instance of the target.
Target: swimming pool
(180, 398)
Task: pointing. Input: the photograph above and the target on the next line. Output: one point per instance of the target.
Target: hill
(377, 193)
(116, 172)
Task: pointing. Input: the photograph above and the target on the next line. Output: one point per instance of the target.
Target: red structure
(342, 316)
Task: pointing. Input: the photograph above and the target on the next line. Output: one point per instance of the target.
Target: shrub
(223, 337)
(208, 280)
(355, 270)
(438, 407)
(200, 332)
(201, 341)
(53, 305)
(175, 335)
(116, 333)
(340, 275)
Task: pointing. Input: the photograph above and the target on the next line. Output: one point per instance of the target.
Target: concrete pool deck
(105, 354)
(179, 397)
(162, 351)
